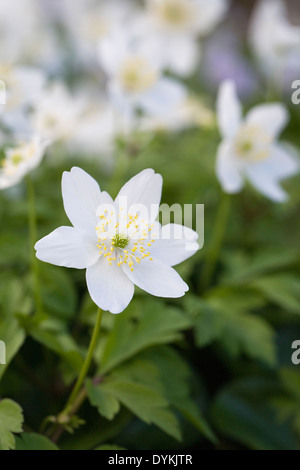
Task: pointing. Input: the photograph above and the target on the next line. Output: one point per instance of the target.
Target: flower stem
(32, 240)
(78, 394)
(217, 240)
(86, 365)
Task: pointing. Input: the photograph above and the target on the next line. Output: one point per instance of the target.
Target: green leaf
(143, 401)
(175, 376)
(13, 336)
(291, 381)
(158, 324)
(55, 338)
(218, 319)
(262, 263)
(32, 441)
(59, 295)
(12, 296)
(282, 289)
(11, 420)
(107, 405)
(208, 325)
(243, 411)
(288, 403)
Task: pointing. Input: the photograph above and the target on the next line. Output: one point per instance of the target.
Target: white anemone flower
(273, 37)
(19, 160)
(56, 114)
(135, 78)
(96, 133)
(250, 149)
(23, 86)
(89, 21)
(19, 22)
(113, 240)
(177, 24)
(191, 113)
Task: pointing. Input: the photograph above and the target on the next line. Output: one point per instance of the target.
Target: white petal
(228, 171)
(273, 118)
(166, 95)
(112, 50)
(176, 243)
(81, 196)
(229, 110)
(109, 287)
(268, 186)
(285, 161)
(157, 278)
(145, 189)
(270, 189)
(106, 199)
(182, 54)
(68, 247)
(281, 164)
(30, 81)
(209, 14)
(266, 175)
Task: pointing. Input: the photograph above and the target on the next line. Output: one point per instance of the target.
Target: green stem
(78, 394)
(32, 225)
(86, 365)
(217, 240)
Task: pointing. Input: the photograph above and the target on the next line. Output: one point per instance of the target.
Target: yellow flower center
(16, 156)
(252, 144)
(136, 75)
(95, 27)
(123, 238)
(173, 14)
(5, 72)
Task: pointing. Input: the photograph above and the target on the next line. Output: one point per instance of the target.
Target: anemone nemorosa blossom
(21, 159)
(118, 242)
(135, 69)
(250, 149)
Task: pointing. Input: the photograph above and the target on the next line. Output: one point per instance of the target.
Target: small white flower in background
(19, 160)
(273, 37)
(135, 77)
(113, 240)
(191, 113)
(250, 149)
(88, 21)
(23, 85)
(19, 22)
(177, 24)
(56, 114)
(96, 132)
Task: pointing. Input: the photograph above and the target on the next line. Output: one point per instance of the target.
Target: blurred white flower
(250, 149)
(177, 24)
(114, 243)
(19, 22)
(135, 78)
(96, 132)
(23, 86)
(192, 112)
(56, 114)
(20, 160)
(88, 21)
(273, 37)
